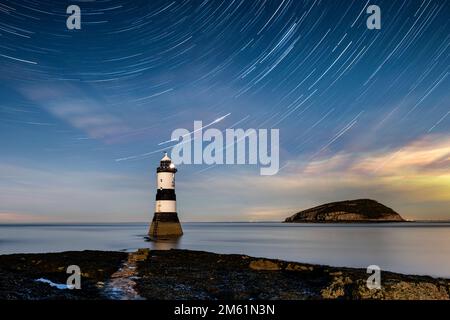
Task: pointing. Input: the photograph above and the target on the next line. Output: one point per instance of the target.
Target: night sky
(362, 113)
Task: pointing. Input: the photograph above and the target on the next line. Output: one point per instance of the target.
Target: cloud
(80, 111)
(429, 153)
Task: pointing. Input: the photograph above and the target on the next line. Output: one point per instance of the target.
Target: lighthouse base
(165, 225)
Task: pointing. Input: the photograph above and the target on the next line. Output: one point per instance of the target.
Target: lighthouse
(165, 223)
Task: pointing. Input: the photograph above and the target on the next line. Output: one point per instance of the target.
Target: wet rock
(18, 273)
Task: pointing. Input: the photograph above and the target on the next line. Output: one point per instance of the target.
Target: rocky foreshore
(185, 274)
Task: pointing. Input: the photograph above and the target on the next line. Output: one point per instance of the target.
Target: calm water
(412, 248)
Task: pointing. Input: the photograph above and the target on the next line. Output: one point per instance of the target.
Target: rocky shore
(185, 274)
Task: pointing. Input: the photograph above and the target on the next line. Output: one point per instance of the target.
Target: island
(349, 211)
(185, 274)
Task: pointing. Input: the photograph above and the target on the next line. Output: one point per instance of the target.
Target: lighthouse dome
(166, 157)
(166, 164)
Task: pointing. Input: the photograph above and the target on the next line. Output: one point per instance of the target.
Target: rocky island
(185, 274)
(349, 211)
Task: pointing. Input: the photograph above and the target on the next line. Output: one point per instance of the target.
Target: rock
(21, 284)
(298, 267)
(265, 265)
(416, 291)
(185, 274)
(361, 291)
(141, 254)
(362, 210)
(403, 290)
(337, 288)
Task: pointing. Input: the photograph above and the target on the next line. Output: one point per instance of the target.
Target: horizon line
(246, 221)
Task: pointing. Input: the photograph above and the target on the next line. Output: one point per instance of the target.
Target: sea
(419, 248)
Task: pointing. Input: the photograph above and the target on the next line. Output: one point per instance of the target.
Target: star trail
(103, 100)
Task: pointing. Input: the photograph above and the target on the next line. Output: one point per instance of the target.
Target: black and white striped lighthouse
(165, 223)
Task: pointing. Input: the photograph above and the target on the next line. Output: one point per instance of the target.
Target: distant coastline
(348, 211)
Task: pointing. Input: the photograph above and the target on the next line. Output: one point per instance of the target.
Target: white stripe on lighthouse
(165, 180)
(165, 206)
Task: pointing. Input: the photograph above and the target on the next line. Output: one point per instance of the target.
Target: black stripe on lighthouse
(165, 194)
(166, 217)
